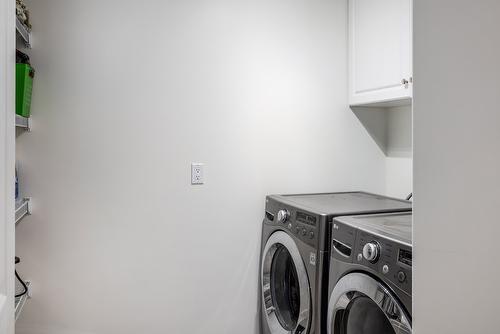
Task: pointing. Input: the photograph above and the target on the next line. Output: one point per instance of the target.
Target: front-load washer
(295, 255)
(370, 275)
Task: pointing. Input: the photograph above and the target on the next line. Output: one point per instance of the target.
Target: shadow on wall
(26, 329)
(390, 128)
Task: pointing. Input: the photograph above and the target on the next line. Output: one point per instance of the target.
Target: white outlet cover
(197, 173)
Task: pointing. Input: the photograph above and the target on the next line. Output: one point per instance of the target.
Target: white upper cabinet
(380, 52)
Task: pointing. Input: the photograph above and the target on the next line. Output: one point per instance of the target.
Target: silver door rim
(362, 284)
(275, 240)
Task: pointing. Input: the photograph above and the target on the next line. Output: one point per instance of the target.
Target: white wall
(399, 171)
(391, 129)
(457, 163)
(127, 94)
(399, 176)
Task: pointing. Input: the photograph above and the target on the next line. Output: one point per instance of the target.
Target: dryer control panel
(301, 224)
(388, 257)
(394, 260)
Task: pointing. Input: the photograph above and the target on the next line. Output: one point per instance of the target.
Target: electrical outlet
(197, 173)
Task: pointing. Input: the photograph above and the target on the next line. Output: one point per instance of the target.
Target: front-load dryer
(370, 275)
(295, 255)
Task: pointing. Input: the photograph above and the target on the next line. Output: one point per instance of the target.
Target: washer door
(286, 295)
(361, 305)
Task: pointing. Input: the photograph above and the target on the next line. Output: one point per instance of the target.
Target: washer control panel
(305, 226)
(282, 216)
(301, 224)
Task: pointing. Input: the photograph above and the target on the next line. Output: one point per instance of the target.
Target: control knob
(282, 216)
(371, 251)
(385, 269)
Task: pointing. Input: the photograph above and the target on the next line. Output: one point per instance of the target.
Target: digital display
(306, 219)
(405, 257)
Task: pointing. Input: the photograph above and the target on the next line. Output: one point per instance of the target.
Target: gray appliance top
(345, 203)
(396, 226)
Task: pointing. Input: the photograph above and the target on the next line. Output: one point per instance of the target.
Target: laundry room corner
(249, 167)
(127, 95)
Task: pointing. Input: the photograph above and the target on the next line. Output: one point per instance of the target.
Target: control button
(360, 257)
(283, 216)
(385, 269)
(371, 251)
(304, 231)
(290, 226)
(311, 235)
(401, 277)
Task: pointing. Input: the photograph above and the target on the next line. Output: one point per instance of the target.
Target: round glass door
(361, 305)
(285, 286)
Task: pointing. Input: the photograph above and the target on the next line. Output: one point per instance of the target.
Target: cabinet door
(380, 47)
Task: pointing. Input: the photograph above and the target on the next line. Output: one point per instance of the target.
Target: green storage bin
(24, 86)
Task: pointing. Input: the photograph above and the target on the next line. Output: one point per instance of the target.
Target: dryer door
(286, 298)
(360, 304)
